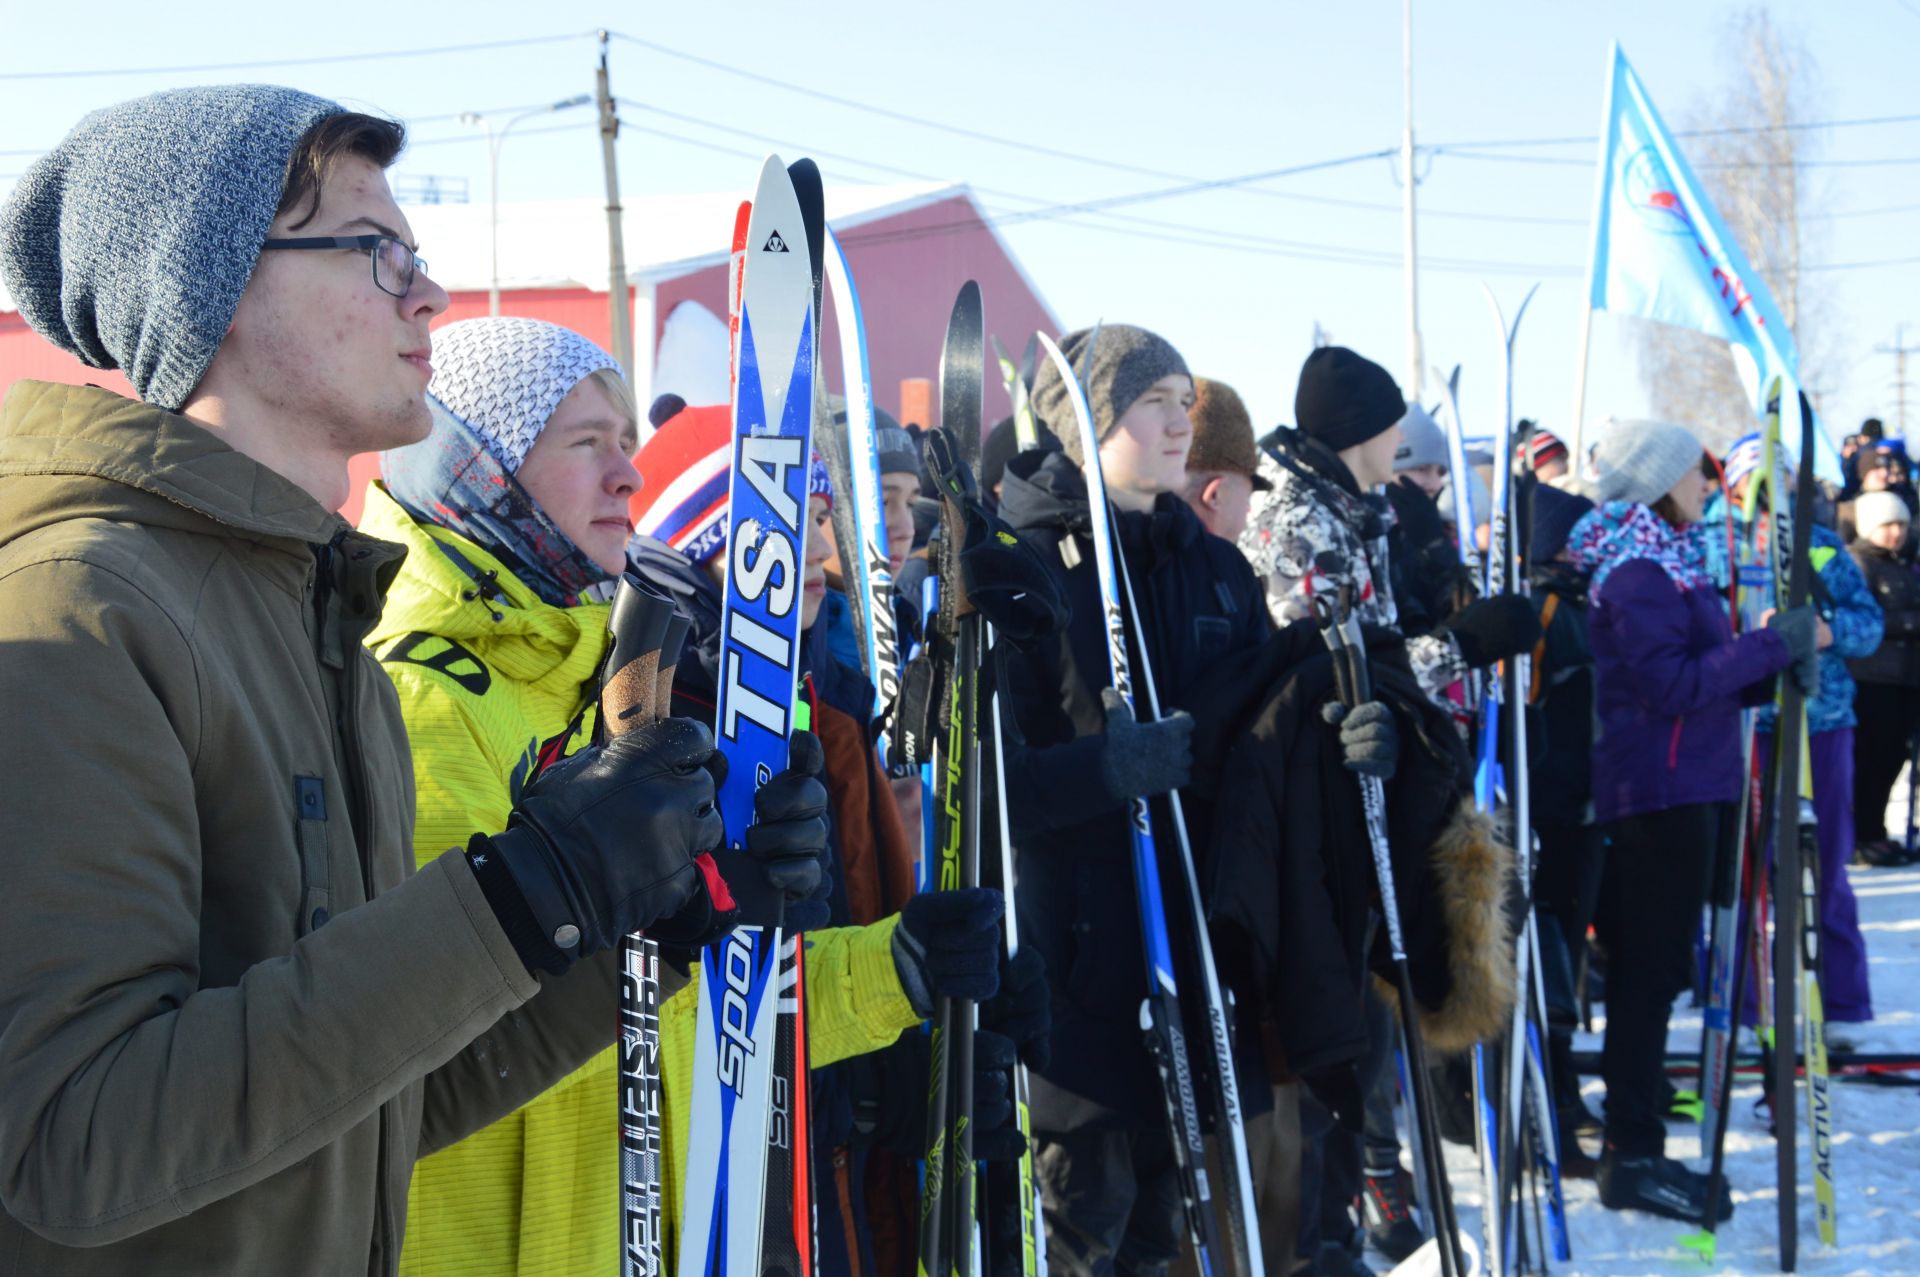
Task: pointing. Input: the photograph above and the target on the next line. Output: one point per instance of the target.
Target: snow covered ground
(1876, 1155)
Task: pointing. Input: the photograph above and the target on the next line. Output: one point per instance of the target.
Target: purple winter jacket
(1670, 679)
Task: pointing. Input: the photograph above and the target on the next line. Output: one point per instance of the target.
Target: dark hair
(1666, 507)
(323, 146)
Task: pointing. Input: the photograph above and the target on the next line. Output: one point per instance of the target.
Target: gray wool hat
(896, 449)
(1642, 460)
(1421, 441)
(1126, 362)
(130, 242)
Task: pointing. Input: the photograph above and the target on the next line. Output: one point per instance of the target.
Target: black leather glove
(788, 845)
(603, 843)
(1800, 627)
(948, 945)
(1022, 1010)
(1143, 759)
(1369, 741)
(1490, 630)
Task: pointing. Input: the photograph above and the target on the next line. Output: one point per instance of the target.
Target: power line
(1792, 126)
(314, 60)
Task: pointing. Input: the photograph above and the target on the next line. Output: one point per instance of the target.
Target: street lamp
(494, 142)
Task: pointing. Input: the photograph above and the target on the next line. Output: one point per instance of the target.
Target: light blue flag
(1660, 251)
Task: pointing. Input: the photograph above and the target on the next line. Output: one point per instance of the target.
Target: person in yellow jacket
(514, 516)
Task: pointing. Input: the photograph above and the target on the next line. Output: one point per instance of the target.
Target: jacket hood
(83, 452)
(1044, 489)
(451, 588)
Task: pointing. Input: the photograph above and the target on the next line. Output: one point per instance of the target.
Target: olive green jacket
(231, 1013)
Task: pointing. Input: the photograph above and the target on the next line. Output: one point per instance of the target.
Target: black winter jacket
(1562, 718)
(1199, 604)
(1287, 862)
(1896, 587)
(1428, 579)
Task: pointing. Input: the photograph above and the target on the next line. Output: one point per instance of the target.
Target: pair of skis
(1224, 1230)
(1518, 1130)
(748, 1206)
(1787, 825)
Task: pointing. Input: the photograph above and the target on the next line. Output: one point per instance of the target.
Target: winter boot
(1657, 1185)
(1386, 1200)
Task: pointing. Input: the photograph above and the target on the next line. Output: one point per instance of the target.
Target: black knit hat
(1345, 399)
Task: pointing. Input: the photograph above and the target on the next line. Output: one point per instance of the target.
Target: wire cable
(313, 60)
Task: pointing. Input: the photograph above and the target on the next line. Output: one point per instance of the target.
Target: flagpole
(1603, 169)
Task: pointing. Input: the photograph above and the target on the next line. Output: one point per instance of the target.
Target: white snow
(1876, 1157)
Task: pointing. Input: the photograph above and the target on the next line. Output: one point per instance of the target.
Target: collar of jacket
(84, 452)
(1322, 470)
(1045, 489)
(451, 588)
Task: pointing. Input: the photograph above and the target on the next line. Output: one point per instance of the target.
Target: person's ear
(1210, 495)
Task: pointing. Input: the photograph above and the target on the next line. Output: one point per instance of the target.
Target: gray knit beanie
(1126, 363)
(1642, 460)
(504, 376)
(130, 243)
(1421, 441)
(895, 446)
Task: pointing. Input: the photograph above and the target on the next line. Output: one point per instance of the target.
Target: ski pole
(1342, 634)
(635, 690)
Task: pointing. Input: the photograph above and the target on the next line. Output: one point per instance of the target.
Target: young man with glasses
(231, 1015)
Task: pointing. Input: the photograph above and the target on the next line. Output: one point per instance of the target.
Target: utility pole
(620, 331)
(1415, 358)
(1899, 350)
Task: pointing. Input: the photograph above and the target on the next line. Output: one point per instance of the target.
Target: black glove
(1022, 1011)
(1369, 741)
(787, 843)
(1490, 630)
(996, 1136)
(948, 945)
(603, 843)
(889, 1097)
(1800, 627)
(1143, 759)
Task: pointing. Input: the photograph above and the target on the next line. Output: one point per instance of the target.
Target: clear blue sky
(1196, 89)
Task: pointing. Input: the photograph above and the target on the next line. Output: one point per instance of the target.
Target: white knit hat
(1874, 510)
(1642, 460)
(504, 376)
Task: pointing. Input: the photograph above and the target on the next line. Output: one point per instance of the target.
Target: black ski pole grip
(629, 683)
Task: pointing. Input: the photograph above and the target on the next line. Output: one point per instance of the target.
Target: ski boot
(1657, 1185)
(1386, 1198)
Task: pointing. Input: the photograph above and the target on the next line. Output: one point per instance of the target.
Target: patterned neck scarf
(1622, 531)
(452, 479)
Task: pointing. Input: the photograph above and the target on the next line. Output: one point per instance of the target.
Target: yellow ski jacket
(488, 674)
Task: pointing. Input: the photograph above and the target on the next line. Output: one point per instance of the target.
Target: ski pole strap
(1547, 610)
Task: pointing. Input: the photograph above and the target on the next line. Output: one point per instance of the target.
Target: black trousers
(1889, 715)
(1652, 889)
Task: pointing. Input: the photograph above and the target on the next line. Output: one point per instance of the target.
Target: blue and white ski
(744, 1114)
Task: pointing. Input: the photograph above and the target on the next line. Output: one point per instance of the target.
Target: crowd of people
(318, 859)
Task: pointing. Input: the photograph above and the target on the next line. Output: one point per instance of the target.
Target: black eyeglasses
(394, 264)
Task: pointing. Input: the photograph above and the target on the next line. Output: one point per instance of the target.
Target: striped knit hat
(686, 469)
(1543, 446)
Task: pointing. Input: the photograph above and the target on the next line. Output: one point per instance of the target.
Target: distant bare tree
(1756, 180)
